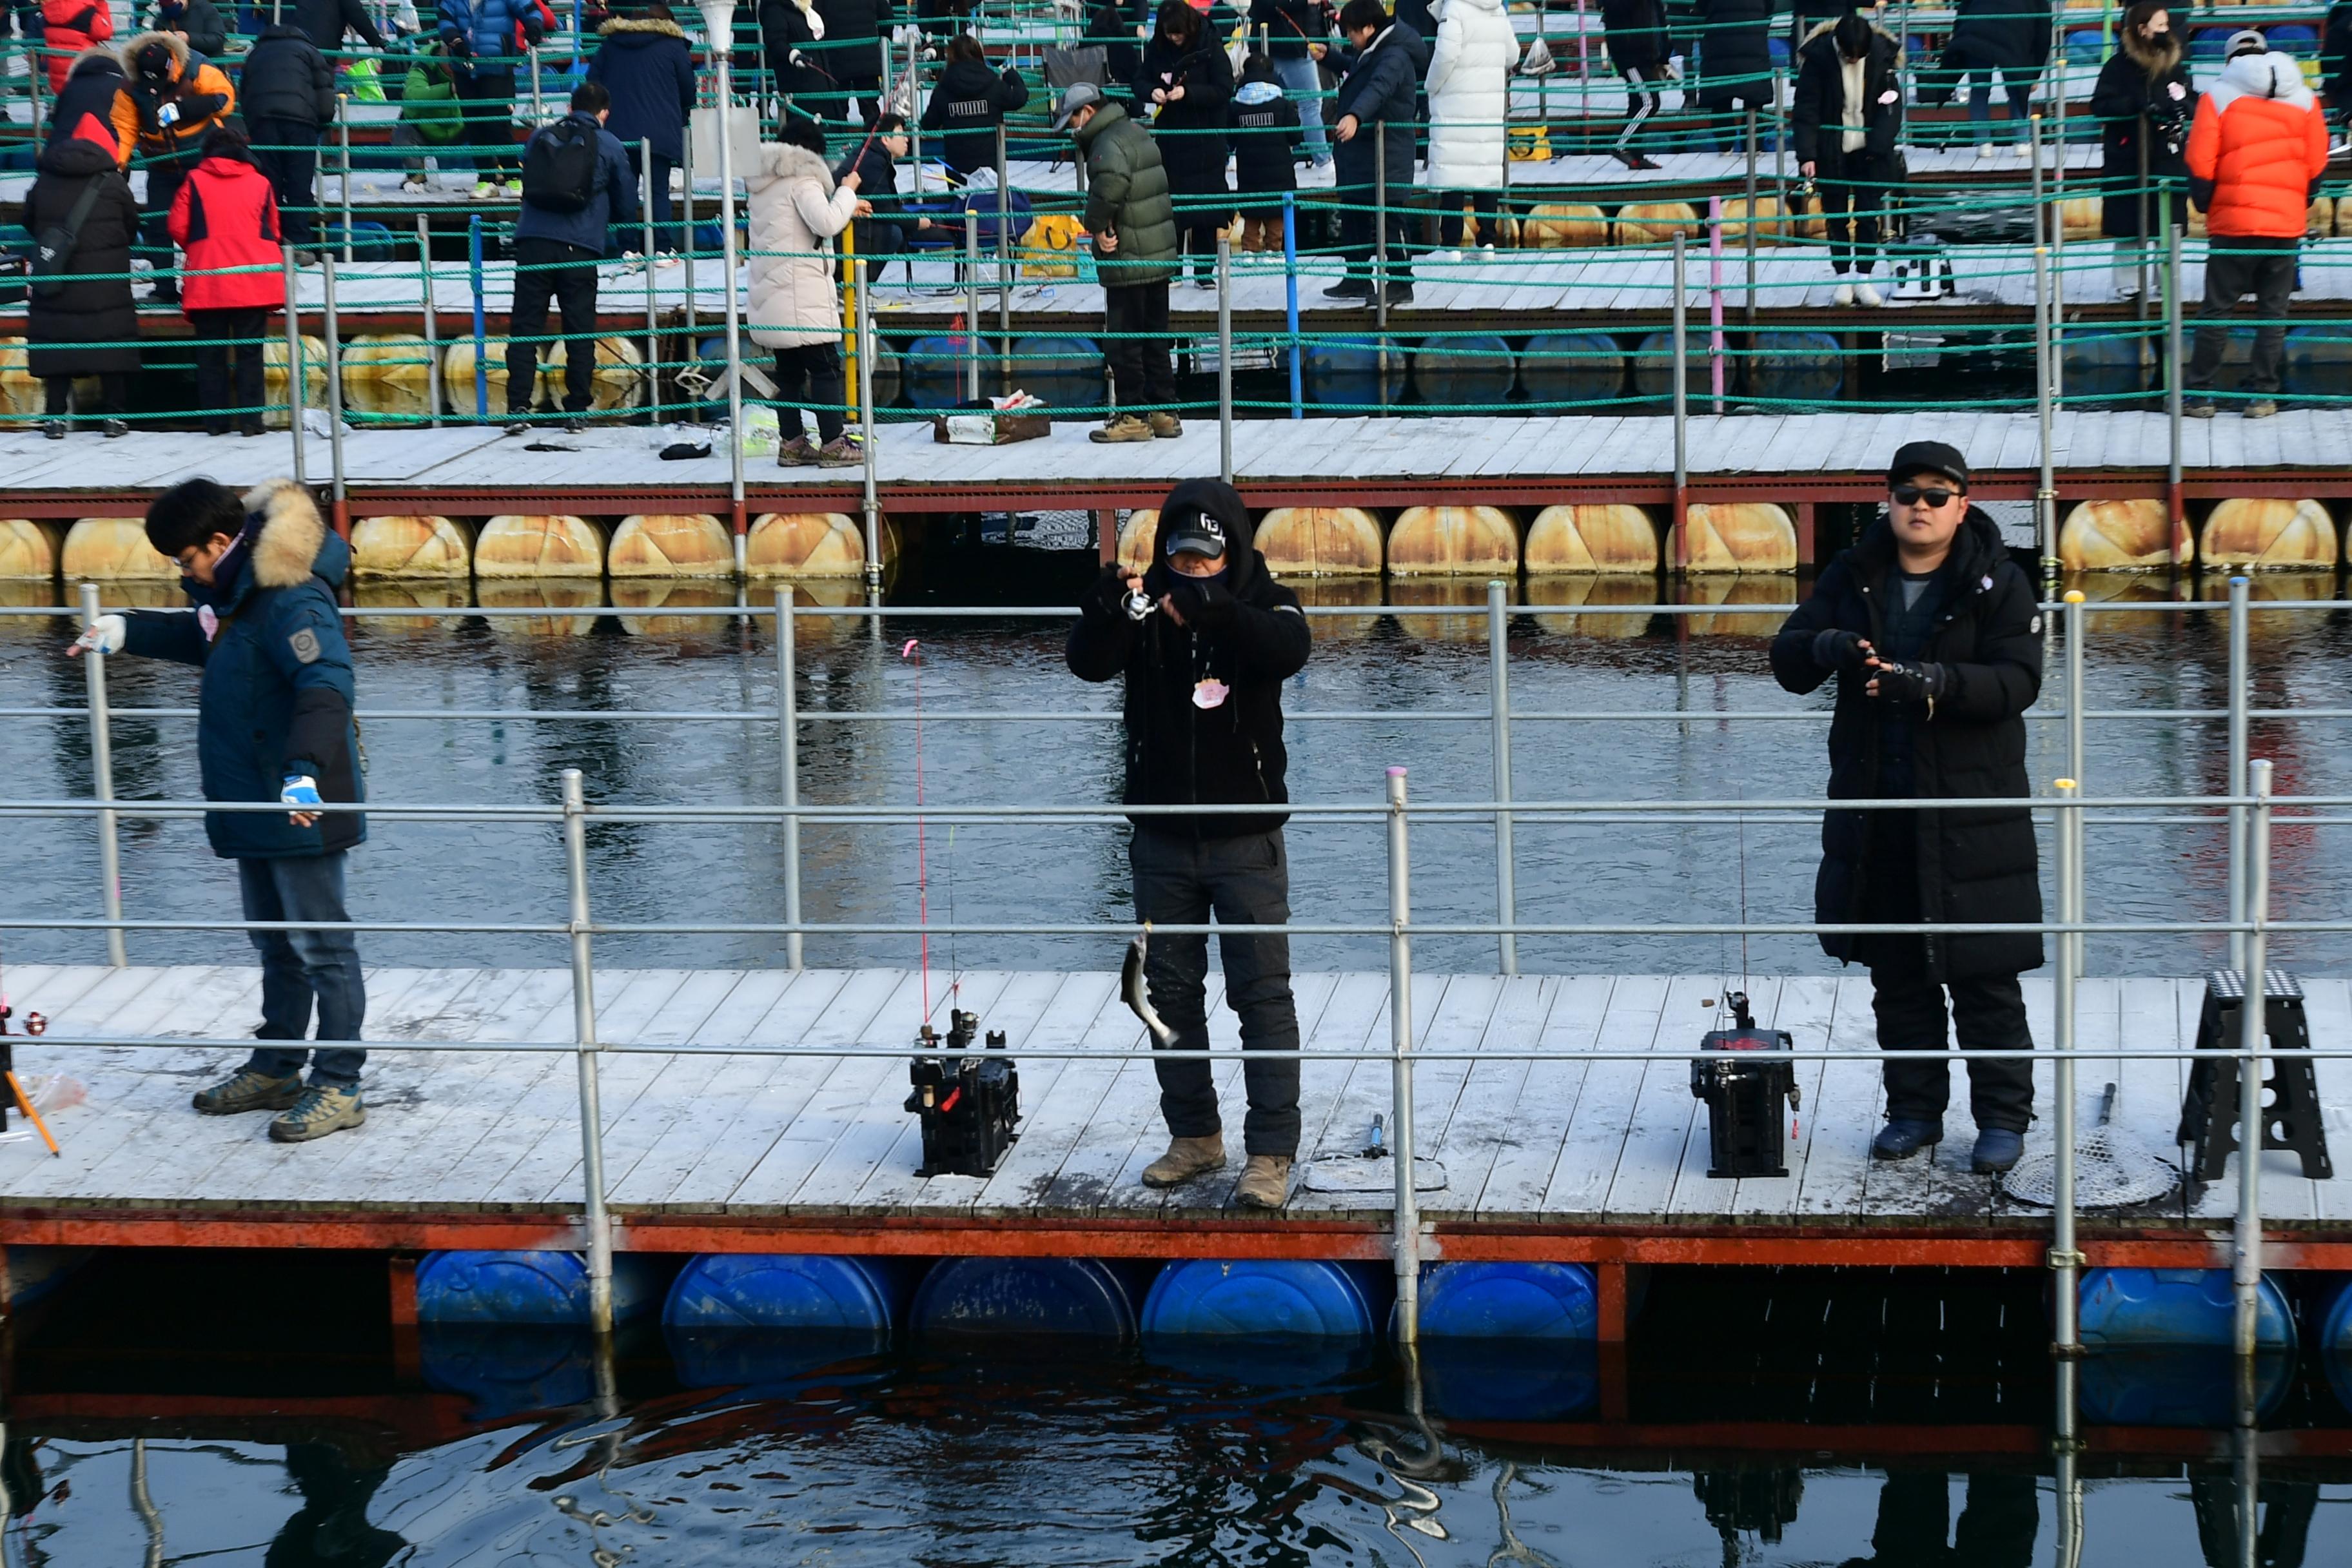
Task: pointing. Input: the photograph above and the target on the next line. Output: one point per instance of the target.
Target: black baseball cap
(1198, 534)
(1927, 457)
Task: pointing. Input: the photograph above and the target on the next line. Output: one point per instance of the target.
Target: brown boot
(1186, 1158)
(1265, 1182)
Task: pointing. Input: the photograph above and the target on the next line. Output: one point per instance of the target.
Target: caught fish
(1131, 987)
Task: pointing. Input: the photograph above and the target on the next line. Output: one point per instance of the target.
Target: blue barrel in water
(1074, 1297)
(2086, 47)
(1559, 370)
(2335, 1343)
(1066, 372)
(507, 1369)
(1266, 1298)
(370, 241)
(2139, 1308)
(2319, 361)
(934, 369)
(1654, 365)
(2178, 1386)
(1466, 374)
(1509, 1301)
(1510, 1342)
(1796, 368)
(543, 1288)
(2105, 362)
(1344, 372)
(790, 1290)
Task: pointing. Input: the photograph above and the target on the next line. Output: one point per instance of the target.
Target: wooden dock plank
(1846, 1114)
(1522, 1170)
(1490, 1113)
(1345, 1126)
(1579, 1183)
(1058, 1123)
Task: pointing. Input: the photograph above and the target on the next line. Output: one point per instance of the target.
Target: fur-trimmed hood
(130, 52)
(1823, 29)
(2155, 63)
(97, 60)
(287, 539)
(783, 161)
(620, 25)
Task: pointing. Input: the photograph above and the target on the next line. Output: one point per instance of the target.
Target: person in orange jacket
(172, 97)
(2255, 155)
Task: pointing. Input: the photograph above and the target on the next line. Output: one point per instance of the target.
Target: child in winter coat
(1266, 137)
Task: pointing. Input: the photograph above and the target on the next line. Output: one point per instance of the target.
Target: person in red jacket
(68, 28)
(226, 218)
(2255, 155)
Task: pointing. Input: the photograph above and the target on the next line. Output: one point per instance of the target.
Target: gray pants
(1244, 880)
(2230, 274)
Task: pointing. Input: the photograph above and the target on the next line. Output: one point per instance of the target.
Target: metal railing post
(539, 102)
(1004, 271)
(1498, 686)
(726, 265)
(2173, 367)
(1225, 358)
(343, 161)
(1682, 404)
(2078, 647)
(1406, 1241)
(343, 507)
(971, 305)
(2065, 1259)
(688, 240)
(788, 728)
(2045, 496)
(1749, 247)
(1380, 256)
(295, 390)
(653, 306)
(101, 776)
(873, 501)
(2239, 592)
(583, 1033)
(2246, 1253)
(1290, 300)
(429, 317)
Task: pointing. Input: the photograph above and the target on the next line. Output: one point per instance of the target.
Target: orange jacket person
(2255, 155)
(172, 97)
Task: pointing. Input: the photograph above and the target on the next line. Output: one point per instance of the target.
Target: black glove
(1204, 602)
(1909, 682)
(1108, 595)
(1835, 649)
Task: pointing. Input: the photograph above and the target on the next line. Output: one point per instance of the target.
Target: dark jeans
(550, 269)
(1989, 1013)
(1358, 219)
(228, 366)
(1488, 206)
(665, 236)
(113, 394)
(1998, 1524)
(1850, 213)
(2017, 81)
(2230, 274)
(815, 368)
(1135, 342)
(486, 101)
(1244, 880)
(287, 150)
(298, 966)
(165, 178)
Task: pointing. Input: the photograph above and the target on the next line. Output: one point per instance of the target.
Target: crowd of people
(1204, 122)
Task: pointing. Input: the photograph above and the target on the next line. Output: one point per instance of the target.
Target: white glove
(106, 634)
(2177, 90)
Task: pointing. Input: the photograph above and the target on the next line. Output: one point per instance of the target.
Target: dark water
(1387, 662)
(1804, 1417)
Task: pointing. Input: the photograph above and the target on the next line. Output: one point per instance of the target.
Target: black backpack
(559, 169)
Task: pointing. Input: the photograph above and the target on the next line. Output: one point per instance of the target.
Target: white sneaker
(1445, 256)
(1844, 295)
(1986, 150)
(1868, 295)
(484, 190)
(411, 187)
(2026, 152)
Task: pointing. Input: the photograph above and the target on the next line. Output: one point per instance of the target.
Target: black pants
(1989, 1013)
(1850, 209)
(666, 234)
(287, 150)
(1135, 342)
(113, 394)
(1998, 1524)
(1202, 210)
(228, 367)
(486, 105)
(1488, 206)
(816, 367)
(858, 90)
(1358, 218)
(1244, 880)
(2229, 275)
(545, 269)
(1642, 99)
(165, 178)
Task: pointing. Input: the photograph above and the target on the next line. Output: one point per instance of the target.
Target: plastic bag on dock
(50, 1092)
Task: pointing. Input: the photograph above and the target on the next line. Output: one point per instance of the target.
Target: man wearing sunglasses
(1934, 638)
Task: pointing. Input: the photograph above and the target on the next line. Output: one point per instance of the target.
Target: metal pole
(431, 324)
(686, 234)
(538, 104)
(727, 264)
(1380, 254)
(2065, 1261)
(334, 394)
(1498, 686)
(652, 309)
(1290, 300)
(1225, 358)
(1750, 246)
(1004, 272)
(788, 727)
(294, 387)
(866, 439)
(2239, 592)
(2077, 647)
(2174, 365)
(343, 161)
(971, 305)
(1406, 1240)
(481, 322)
(2045, 498)
(102, 773)
(914, 119)
(2246, 1261)
(583, 1029)
(1682, 403)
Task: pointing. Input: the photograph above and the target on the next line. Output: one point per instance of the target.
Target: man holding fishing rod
(1205, 637)
(1932, 634)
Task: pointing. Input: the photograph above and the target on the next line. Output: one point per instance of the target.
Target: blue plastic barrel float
(1560, 368)
(538, 1288)
(2136, 1308)
(1794, 367)
(1345, 371)
(2335, 1343)
(370, 241)
(506, 1369)
(1066, 372)
(934, 369)
(1654, 364)
(2318, 362)
(2178, 1386)
(1287, 1323)
(1470, 373)
(1074, 1297)
(1510, 1342)
(2107, 362)
(765, 1319)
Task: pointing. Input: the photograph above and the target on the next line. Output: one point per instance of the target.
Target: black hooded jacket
(1972, 867)
(969, 102)
(285, 78)
(1244, 629)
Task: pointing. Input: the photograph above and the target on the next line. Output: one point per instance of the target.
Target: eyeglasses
(1912, 495)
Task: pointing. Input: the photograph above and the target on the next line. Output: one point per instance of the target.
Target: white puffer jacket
(1469, 83)
(796, 212)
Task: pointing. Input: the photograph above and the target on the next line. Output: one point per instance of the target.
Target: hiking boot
(112, 429)
(53, 429)
(324, 1108)
(1165, 427)
(1186, 1158)
(2198, 408)
(796, 453)
(841, 452)
(2262, 409)
(1400, 294)
(1265, 1182)
(1997, 1149)
(249, 1090)
(1901, 1140)
(1126, 427)
(1350, 288)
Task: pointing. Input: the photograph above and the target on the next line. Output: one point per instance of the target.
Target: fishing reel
(1140, 605)
(34, 1024)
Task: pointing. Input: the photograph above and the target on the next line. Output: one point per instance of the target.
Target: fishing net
(2111, 1169)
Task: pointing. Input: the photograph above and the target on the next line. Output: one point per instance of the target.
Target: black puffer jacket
(1245, 631)
(1635, 32)
(969, 102)
(1816, 109)
(1290, 26)
(2012, 34)
(90, 326)
(198, 21)
(328, 21)
(1973, 867)
(794, 58)
(1191, 130)
(1380, 89)
(1735, 61)
(2134, 104)
(285, 78)
(853, 36)
(1265, 135)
